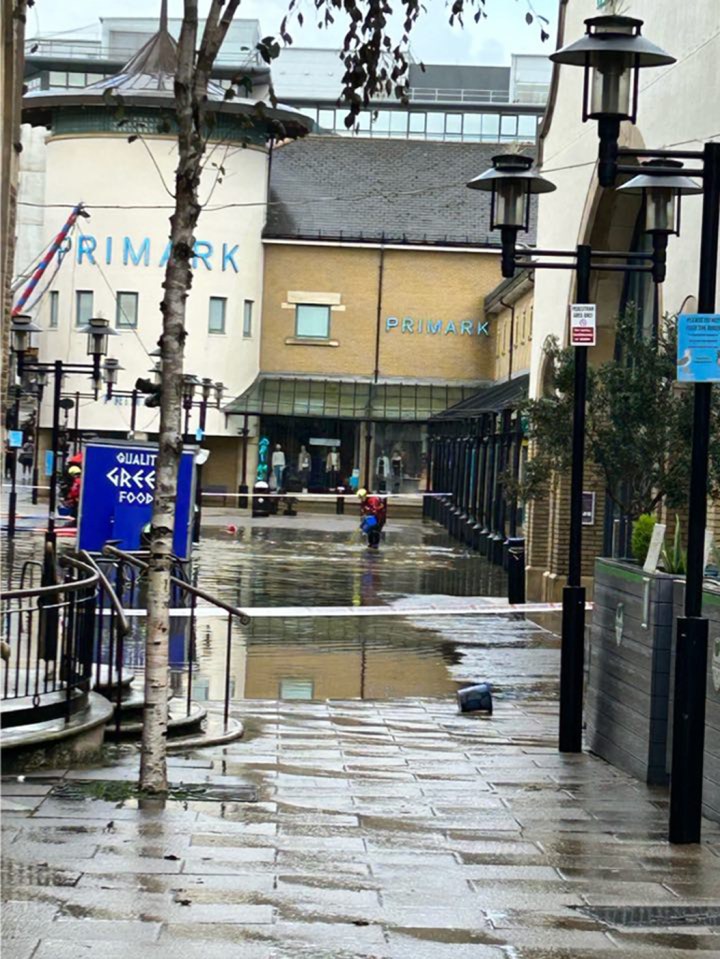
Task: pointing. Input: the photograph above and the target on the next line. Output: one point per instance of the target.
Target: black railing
(127, 572)
(48, 637)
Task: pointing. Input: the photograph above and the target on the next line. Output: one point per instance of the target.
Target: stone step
(179, 723)
(212, 732)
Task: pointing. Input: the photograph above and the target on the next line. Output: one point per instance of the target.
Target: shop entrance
(330, 443)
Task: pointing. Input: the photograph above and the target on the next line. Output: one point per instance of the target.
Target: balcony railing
(84, 51)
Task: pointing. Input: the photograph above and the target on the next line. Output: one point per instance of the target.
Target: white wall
(111, 176)
(679, 106)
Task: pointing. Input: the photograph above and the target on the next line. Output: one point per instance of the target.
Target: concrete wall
(417, 284)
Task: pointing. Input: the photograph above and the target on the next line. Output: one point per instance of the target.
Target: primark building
(343, 280)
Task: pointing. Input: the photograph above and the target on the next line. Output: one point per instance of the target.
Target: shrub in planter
(641, 535)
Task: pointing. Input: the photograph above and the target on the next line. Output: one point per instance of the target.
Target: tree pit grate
(120, 790)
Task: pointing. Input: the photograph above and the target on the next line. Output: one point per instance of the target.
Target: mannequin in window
(304, 466)
(278, 466)
(332, 465)
(396, 469)
(382, 471)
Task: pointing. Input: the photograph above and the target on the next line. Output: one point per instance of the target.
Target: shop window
(126, 311)
(312, 321)
(326, 119)
(453, 126)
(472, 127)
(398, 123)
(58, 79)
(417, 126)
(54, 310)
(296, 689)
(216, 315)
(381, 123)
(435, 126)
(491, 127)
(83, 307)
(247, 318)
(76, 80)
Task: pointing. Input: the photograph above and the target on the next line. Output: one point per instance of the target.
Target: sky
(489, 42)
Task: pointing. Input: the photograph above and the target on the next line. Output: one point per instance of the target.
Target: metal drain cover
(629, 916)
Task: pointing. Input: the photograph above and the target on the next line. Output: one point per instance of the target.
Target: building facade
(669, 115)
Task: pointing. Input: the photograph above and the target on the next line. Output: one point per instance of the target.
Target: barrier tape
(355, 612)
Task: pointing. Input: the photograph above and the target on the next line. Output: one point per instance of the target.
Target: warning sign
(583, 324)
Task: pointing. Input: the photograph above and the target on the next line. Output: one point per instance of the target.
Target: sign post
(583, 324)
(117, 492)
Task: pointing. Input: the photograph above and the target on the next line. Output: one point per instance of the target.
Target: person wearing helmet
(375, 507)
(73, 497)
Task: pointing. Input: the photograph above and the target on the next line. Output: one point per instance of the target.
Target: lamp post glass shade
(207, 388)
(22, 329)
(511, 180)
(219, 390)
(98, 330)
(188, 389)
(612, 53)
(662, 194)
(111, 368)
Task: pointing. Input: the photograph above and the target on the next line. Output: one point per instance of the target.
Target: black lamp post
(502, 181)
(20, 340)
(692, 629)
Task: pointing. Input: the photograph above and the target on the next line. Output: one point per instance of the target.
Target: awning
(494, 399)
(346, 399)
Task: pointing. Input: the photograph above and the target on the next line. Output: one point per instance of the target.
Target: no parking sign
(116, 496)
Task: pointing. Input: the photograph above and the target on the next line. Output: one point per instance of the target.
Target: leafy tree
(638, 422)
(375, 64)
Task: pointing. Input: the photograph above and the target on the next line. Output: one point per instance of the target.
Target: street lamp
(219, 391)
(502, 180)
(111, 368)
(511, 181)
(21, 331)
(686, 778)
(662, 195)
(612, 53)
(98, 331)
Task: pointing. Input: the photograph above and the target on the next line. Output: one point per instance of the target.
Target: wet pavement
(385, 824)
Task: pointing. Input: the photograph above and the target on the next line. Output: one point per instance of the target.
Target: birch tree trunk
(191, 81)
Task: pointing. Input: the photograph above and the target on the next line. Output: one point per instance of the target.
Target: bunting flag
(47, 259)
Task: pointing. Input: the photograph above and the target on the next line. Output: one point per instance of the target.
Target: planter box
(629, 665)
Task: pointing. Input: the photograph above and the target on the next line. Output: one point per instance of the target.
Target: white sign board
(583, 324)
(656, 544)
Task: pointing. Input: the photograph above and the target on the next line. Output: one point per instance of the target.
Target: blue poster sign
(48, 462)
(116, 496)
(15, 439)
(698, 356)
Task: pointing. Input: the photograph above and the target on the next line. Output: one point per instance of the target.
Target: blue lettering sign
(407, 325)
(228, 257)
(142, 254)
(450, 328)
(108, 250)
(466, 326)
(391, 322)
(86, 247)
(166, 253)
(482, 329)
(202, 251)
(434, 326)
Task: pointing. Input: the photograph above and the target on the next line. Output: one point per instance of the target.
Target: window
(490, 127)
(312, 321)
(453, 126)
(417, 126)
(435, 126)
(381, 123)
(83, 307)
(527, 127)
(472, 124)
(326, 119)
(54, 309)
(126, 311)
(216, 318)
(508, 128)
(247, 318)
(398, 123)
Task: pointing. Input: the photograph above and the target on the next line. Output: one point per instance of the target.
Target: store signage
(131, 251)
(583, 324)
(116, 496)
(588, 509)
(409, 324)
(698, 356)
(15, 439)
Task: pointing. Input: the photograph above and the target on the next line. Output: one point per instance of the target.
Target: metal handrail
(124, 622)
(134, 560)
(72, 586)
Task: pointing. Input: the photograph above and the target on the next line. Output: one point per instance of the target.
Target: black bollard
(516, 569)
(340, 501)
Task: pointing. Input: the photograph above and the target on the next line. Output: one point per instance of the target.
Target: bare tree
(375, 63)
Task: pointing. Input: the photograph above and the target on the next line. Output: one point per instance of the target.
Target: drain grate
(629, 916)
(113, 790)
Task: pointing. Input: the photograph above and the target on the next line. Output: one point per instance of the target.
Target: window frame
(315, 306)
(78, 294)
(223, 300)
(54, 318)
(118, 311)
(247, 327)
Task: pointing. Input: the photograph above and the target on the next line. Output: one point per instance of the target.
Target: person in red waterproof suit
(376, 506)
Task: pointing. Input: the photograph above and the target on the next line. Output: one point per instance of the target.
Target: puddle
(321, 563)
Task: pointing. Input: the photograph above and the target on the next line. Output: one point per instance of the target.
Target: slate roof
(352, 188)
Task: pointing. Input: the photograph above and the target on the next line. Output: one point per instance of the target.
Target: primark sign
(426, 327)
(143, 252)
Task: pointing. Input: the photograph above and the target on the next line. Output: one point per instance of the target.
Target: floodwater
(321, 561)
